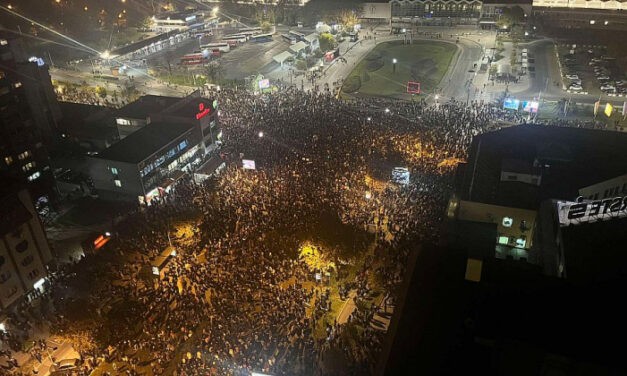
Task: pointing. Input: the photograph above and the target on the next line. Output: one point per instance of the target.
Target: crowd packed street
(237, 296)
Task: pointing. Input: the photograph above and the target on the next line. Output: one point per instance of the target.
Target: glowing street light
(368, 195)
(387, 110)
(394, 65)
(369, 118)
(105, 55)
(215, 10)
(260, 134)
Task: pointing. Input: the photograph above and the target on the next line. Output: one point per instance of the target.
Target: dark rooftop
(567, 158)
(146, 105)
(146, 141)
(595, 251)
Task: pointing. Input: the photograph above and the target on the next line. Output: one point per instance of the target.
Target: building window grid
(159, 161)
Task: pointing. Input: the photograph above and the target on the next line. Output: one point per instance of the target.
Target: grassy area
(423, 61)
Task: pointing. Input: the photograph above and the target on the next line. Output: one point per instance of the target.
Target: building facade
(582, 14)
(145, 164)
(438, 12)
(28, 116)
(24, 249)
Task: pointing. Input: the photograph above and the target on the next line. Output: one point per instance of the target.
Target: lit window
(507, 221)
(521, 242)
(23, 155)
(114, 170)
(28, 166)
(3, 42)
(117, 183)
(503, 240)
(8, 160)
(34, 176)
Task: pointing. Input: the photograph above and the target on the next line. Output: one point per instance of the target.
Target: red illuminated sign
(202, 111)
(413, 87)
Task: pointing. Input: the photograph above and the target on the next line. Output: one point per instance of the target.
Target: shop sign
(202, 111)
(572, 213)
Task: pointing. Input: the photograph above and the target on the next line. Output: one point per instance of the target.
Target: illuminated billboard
(511, 104)
(530, 106)
(264, 84)
(248, 164)
(413, 87)
(608, 110)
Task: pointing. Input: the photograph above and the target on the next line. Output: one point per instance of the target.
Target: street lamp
(393, 65)
(260, 134)
(387, 110)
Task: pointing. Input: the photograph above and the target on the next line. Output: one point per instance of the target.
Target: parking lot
(591, 70)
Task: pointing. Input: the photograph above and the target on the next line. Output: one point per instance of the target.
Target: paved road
(455, 82)
(348, 308)
(144, 84)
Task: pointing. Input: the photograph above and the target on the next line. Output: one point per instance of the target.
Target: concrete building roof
(311, 38)
(297, 47)
(146, 105)
(569, 158)
(145, 142)
(280, 58)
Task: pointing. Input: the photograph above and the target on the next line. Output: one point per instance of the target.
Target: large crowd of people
(237, 297)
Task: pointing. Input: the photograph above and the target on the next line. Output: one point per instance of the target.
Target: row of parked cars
(602, 72)
(604, 75)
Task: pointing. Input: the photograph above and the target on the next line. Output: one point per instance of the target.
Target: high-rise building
(28, 117)
(24, 249)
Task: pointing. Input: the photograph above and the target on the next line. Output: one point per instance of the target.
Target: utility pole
(50, 58)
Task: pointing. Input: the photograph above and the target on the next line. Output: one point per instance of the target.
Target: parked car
(607, 87)
(575, 87)
(603, 77)
(572, 76)
(65, 365)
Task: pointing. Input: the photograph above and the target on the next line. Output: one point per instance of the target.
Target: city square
(311, 187)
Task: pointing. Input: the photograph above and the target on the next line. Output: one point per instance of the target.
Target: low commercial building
(438, 12)
(523, 179)
(313, 43)
(581, 14)
(24, 249)
(145, 164)
(180, 21)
